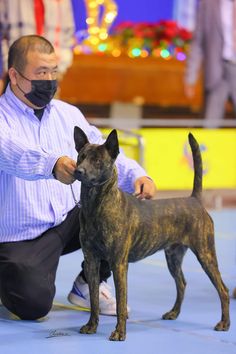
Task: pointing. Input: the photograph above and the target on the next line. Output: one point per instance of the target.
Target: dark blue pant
(28, 268)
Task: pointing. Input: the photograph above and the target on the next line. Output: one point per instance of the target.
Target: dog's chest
(96, 236)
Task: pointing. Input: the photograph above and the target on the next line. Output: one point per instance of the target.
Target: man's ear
(12, 75)
(112, 144)
(80, 138)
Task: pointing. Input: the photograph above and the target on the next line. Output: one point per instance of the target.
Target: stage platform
(102, 79)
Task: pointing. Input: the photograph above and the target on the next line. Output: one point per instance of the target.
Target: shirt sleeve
(21, 160)
(128, 171)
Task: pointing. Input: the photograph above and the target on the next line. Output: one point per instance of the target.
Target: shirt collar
(15, 101)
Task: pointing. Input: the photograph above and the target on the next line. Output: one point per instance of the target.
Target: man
(214, 45)
(39, 219)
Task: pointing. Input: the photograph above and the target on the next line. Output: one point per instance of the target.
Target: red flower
(185, 35)
(162, 34)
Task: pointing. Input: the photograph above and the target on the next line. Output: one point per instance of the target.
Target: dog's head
(95, 162)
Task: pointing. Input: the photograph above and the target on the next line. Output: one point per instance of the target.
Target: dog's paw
(222, 326)
(171, 315)
(88, 329)
(117, 336)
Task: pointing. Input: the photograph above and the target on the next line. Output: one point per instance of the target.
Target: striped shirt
(31, 200)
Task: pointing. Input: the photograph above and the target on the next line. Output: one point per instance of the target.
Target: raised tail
(197, 164)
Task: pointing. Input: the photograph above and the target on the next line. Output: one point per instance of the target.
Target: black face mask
(42, 91)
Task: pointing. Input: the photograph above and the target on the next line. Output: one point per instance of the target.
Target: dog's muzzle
(79, 173)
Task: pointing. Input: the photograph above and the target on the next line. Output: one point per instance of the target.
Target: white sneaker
(79, 296)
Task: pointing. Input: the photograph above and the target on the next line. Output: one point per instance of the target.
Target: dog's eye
(81, 157)
(96, 162)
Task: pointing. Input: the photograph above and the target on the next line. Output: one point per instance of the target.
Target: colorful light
(144, 53)
(116, 53)
(181, 56)
(128, 38)
(102, 47)
(157, 52)
(99, 25)
(165, 53)
(136, 52)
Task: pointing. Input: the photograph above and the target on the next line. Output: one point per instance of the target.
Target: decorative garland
(163, 39)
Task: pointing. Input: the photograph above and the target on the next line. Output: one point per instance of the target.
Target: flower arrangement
(163, 39)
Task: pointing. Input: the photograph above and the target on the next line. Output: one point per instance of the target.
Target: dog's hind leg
(174, 257)
(208, 262)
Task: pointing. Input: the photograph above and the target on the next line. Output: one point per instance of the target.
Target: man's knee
(27, 294)
(25, 304)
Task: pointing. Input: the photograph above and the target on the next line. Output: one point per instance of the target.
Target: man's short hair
(17, 56)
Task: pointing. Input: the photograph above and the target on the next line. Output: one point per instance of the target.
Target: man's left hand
(145, 188)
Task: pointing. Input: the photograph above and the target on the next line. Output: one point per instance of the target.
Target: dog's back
(153, 224)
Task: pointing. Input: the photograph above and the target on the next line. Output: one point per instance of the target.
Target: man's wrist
(54, 174)
(53, 171)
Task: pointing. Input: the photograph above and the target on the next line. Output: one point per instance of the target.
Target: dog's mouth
(89, 182)
(83, 179)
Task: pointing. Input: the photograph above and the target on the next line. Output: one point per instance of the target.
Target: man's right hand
(64, 170)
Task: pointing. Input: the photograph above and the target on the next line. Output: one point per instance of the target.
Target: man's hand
(64, 170)
(144, 188)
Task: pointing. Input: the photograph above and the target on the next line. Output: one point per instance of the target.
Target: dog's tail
(197, 164)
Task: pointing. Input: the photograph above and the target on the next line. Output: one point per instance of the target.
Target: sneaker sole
(78, 301)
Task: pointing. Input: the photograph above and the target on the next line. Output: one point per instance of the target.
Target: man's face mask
(42, 91)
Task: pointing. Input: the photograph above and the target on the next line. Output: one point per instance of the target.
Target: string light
(100, 16)
(163, 39)
(165, 53)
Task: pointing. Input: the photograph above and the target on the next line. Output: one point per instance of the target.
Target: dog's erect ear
(80, 138)
(112, 144)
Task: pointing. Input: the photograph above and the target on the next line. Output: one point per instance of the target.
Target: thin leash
(77, 202)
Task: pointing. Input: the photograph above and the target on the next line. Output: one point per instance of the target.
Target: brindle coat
(119, 228)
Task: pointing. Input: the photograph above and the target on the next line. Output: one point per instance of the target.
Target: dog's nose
(79, 172)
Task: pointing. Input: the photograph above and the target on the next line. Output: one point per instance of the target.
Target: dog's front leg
(91, 267)
(120, 280)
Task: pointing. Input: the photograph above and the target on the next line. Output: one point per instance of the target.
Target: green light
(102, 47)
(165, 53)
(136, 52)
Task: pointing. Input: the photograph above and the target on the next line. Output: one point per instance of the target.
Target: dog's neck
(92, 196)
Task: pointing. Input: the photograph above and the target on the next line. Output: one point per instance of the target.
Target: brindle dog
(119, 228)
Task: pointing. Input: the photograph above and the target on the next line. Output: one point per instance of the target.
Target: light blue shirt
(31, 200)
